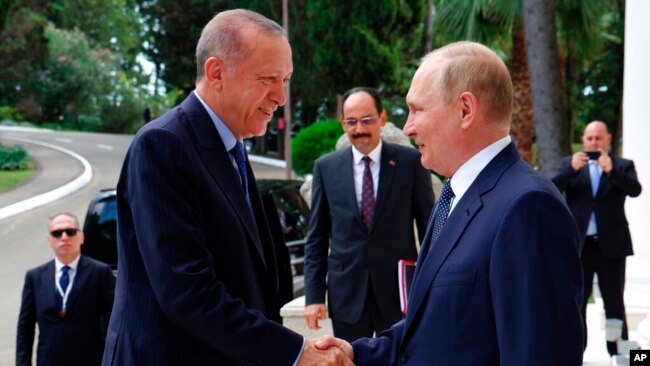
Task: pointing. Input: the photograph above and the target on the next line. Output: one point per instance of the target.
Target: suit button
(403, 357)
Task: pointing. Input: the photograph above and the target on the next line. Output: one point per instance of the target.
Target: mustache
(359, 135)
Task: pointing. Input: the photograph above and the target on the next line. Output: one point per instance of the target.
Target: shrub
(13, 158)
(312, 142)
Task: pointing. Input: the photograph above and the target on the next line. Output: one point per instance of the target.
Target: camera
(593, 155)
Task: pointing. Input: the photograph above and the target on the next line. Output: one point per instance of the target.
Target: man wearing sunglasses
(364, 202)
(70, 298)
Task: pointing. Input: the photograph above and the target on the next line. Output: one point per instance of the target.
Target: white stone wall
(636, 146)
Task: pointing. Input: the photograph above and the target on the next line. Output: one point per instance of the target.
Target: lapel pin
(392, 162)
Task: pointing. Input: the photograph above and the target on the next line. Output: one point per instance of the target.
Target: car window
(100, 230)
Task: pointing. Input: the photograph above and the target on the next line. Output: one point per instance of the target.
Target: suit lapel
(217, 161)
(80, 279)
(347, 184)
(386, 174)
(464, 211)
(47, 280)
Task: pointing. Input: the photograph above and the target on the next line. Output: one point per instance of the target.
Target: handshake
(326, 351)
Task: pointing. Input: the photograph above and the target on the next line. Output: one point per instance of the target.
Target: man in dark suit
(359, 253)
(596, 184)
(498, 278)
(197, 278)
(70, 298)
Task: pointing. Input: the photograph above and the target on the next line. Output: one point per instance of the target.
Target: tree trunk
(549, 115)
(427, 42)
(522, 129)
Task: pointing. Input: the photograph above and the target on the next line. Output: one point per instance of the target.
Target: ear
(214, 70)
(468, 108)
(383, 117)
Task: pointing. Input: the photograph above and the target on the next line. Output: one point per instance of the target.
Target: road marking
(105, 147)
(54, 194)
(63, 140)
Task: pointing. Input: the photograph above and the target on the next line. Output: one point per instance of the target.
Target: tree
(75, 78)
(499, 23)
(358, 44)
(496, 23)
(548, 103)
(23, 52)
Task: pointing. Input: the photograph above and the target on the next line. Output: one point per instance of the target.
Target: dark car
(286, 211)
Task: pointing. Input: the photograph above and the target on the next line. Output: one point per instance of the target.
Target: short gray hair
(223, 36)
(68, 214)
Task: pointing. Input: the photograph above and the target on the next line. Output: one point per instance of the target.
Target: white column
(636, 146)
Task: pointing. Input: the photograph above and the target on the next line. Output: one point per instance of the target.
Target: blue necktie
(442, 211)
(240, 158)
(594, 173)
(64, 281)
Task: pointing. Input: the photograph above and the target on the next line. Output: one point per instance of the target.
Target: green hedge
(313, 142)
(13, 158)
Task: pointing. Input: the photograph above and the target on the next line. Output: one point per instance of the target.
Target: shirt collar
(226, 135)
(375, 154)
(73, 265)
(467, 173)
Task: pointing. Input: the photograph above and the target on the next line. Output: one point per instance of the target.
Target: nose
(278, 93)
(409, 128)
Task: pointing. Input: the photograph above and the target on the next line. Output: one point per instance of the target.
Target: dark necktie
(367, 195)
(64, 281)
(442, 211)
(240, 159)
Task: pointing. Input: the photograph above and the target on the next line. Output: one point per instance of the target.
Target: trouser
(370, 323)
(611, 282)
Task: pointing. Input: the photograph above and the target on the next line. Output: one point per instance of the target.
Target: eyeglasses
(351, 122)
(59, 233)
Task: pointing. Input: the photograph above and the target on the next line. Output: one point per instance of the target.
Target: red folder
(405, 272)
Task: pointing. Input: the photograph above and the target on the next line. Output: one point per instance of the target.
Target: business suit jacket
(197, 275)
(356, 255)
(609, 203)
(501, 286)
(76, 339)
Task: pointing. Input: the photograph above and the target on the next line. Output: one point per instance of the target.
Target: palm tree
(500, 24)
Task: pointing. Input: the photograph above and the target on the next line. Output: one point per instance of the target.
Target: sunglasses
(59, 233)
(351, 122)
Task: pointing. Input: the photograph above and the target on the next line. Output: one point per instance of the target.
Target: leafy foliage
(13, 158)
(313, 142)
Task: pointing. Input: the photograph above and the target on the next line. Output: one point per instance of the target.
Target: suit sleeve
(171, 238)
(317, 246)
(564, 175)
(423, 199)
(106, 296)
(382, 350)
(26, 324)
(624, 177)
(535, 262)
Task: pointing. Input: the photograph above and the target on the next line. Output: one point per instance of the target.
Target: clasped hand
(327, 351)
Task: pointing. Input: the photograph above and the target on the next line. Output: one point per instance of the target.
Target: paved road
(23, 235)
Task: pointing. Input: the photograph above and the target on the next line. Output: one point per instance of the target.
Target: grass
(10, 178)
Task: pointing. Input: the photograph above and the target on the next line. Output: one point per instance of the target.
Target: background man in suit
(366, 242)
(197, 275)
(70, 298)
(498, 278)
(595, 192)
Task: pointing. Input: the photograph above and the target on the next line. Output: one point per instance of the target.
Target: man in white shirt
(365, 201)
(70, 298)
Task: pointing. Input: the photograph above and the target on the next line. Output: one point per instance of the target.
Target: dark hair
(371, 91)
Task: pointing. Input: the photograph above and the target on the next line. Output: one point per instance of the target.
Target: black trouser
(371, 321)
(611, 281)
